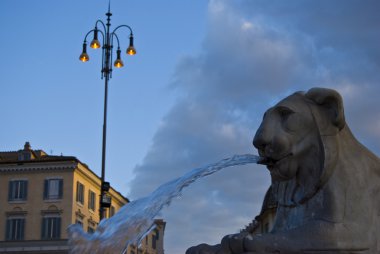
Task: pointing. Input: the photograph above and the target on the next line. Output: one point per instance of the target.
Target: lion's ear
(332, 103)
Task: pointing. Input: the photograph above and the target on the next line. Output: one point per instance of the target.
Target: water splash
(131, 223)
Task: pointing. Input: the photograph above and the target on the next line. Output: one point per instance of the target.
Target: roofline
(63, 159)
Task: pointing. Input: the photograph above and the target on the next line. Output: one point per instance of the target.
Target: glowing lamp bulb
(95, 44)
(131, 49)
(118, 62)
(84, 57)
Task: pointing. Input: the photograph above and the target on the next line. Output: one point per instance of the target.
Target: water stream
(134, 220)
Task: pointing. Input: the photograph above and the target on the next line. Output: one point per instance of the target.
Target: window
(53, 189)
(51, 228)
(154, 242)
(24, 156)
(79, 222)
(154, 239)
(91, 200)
(17, 190)
(27, 156)
(91, 226)
(15, 229)
(157, 234)
(112, 211)
(266, 227)
(80, 193)
(90, 230)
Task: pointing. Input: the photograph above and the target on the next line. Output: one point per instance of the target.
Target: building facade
(153, 243)
(41, 195)
(264, 222)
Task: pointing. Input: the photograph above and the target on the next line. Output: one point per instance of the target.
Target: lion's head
(296, 139)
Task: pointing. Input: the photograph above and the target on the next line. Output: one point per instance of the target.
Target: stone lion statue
(326, 184)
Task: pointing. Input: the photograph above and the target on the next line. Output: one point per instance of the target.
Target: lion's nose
(260, 141)
(259, 145)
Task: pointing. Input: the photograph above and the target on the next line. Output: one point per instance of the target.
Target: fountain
(326, 185)
(134, 220)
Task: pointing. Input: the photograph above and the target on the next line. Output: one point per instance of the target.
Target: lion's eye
(285, 112)
(290, 121)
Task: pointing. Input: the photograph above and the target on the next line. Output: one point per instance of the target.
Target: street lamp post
(106, 73)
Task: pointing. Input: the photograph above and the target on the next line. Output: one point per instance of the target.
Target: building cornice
(59, 164)
(10, 168)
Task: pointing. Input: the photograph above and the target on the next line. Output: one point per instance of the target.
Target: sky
(204, 74)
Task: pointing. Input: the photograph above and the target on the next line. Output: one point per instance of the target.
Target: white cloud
(228, 131)
(246, 25)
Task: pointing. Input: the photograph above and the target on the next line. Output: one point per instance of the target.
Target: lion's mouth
(271, 162)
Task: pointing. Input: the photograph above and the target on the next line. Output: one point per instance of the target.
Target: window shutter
(22, 226)
(60, 188)
(46, 189)
(8, 230)
(154, 242)
(58, 228)
(21, 190)
(43, 228)
(10, 190)
(83, 193)
(157, 234)
(89, 200)
(24, 190)
(77, 191)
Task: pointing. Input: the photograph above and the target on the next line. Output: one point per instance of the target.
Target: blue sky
(56, 102)
(195, 93)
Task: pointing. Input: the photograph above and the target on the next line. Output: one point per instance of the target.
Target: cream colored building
(153, 243)
(41, 195)
(264, 222)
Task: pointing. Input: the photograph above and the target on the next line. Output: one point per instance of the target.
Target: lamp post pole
(107, 54)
